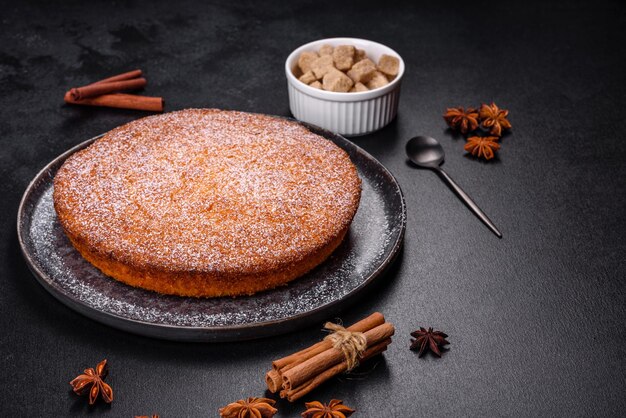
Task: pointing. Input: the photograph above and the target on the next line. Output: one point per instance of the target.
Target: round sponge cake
(205, 202)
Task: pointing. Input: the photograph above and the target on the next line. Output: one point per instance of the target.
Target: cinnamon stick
(121, 101)
(305, 371)
(301, 372)
(306, 387)
(100, 88)
(293, 360)
(121, 77)
(274, 380)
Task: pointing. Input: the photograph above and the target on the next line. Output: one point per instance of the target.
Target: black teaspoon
(425, 151)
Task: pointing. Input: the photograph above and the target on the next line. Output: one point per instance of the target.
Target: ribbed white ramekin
(348, 114)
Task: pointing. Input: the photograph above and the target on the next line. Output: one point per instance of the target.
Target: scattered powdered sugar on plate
(374, 239)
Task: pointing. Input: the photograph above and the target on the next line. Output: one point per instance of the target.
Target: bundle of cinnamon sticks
(299, 373)
(107, 93)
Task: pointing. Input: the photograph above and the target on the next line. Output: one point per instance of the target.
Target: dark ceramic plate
(374, 240)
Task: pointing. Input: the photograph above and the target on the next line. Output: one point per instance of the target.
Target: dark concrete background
(536, 320)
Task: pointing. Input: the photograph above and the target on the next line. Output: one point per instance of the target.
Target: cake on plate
(206, 202)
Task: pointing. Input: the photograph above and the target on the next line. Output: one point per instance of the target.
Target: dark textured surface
(536, 320)
(372, 244)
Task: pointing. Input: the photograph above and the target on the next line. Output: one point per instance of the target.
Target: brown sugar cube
(378, 80)
(343, 56)
(308, 78)
(305, 59)
(388, 65)
(359, 55)
(360, 87)
(321, 66)
(297, 72)
(326, 50)
(335, 80)
(362, 71)
(316, 85)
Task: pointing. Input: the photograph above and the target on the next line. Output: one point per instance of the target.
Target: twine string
(352, 344)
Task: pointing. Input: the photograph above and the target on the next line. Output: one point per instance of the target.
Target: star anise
(493, 117)
(249, 408)
(93, 381)
(334, 409)
(482, 146)
(428, 339)
(461, 119)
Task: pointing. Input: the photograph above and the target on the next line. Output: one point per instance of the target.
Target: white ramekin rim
(335, 96)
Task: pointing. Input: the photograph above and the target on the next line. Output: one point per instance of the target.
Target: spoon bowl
(425, 151)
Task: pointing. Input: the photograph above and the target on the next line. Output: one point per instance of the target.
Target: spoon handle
(473, 206)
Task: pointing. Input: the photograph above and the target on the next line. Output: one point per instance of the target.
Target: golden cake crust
(205, 202)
